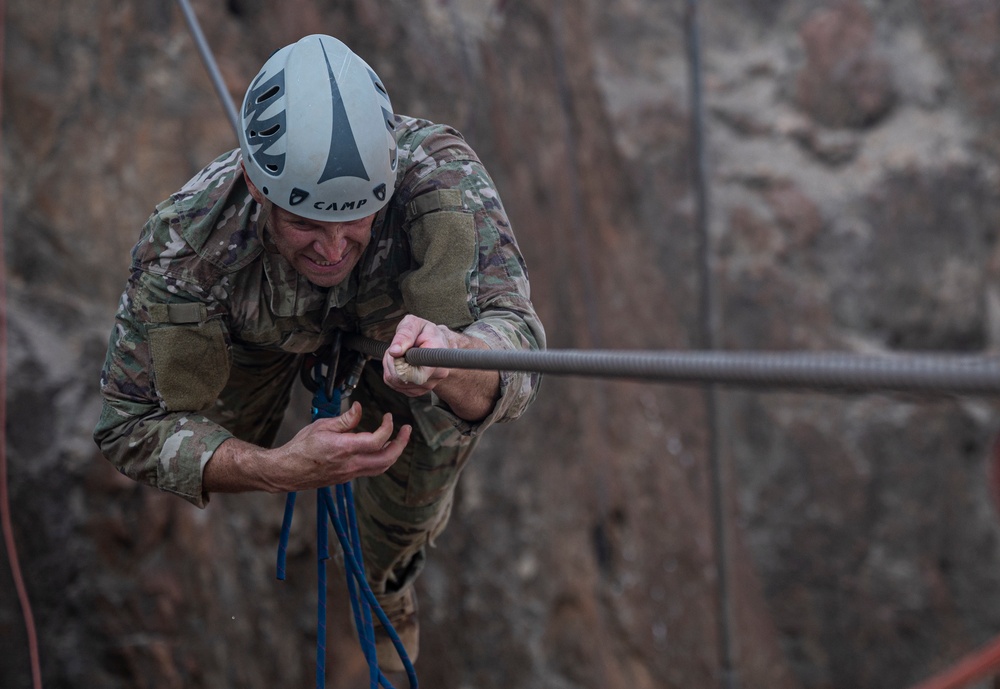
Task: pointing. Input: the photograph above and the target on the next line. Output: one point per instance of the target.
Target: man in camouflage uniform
(244, 271)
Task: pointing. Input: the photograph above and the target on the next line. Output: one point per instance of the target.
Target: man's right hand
(324, 453)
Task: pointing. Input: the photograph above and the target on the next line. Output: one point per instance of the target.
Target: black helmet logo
(344, 158)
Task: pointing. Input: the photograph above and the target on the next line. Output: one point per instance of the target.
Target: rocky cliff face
(856, 201)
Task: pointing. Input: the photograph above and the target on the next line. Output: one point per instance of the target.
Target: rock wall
(855, 205)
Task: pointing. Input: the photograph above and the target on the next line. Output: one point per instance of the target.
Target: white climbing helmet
(318, 133)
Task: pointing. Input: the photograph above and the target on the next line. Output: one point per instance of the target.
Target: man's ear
(254, 191)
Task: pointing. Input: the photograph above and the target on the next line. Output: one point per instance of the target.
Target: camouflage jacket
(206, 283)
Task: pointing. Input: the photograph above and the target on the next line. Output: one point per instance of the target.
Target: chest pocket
(190, 355)
(303, 341)
(445, 253)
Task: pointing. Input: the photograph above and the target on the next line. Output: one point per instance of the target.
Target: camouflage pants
(399, 512)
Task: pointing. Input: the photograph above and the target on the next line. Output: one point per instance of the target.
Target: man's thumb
(349, 420)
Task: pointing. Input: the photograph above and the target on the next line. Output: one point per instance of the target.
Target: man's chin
(325, 281)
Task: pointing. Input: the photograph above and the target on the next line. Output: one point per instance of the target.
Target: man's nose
(331, 244)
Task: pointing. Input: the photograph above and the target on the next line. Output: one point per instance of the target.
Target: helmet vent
(271, 167)
(267, 95)
(263, 132)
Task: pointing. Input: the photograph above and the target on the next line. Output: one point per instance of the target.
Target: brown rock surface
(864, 545)
(844, 82)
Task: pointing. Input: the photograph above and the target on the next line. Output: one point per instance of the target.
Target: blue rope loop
(341, 513)
(324, 407)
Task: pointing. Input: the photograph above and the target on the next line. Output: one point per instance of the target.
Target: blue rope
(362, 614)
(355, 571)
(286, 527)
(341, 513)
(323, 554)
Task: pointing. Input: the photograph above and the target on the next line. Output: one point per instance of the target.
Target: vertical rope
(5, 518)
(213, 69)
(710, 329)
(322, 555)
(286, 528)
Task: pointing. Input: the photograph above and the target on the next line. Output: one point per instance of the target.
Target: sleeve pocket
(445, 251)
(190, 363)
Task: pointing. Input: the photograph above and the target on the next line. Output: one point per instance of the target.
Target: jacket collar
(292, 294)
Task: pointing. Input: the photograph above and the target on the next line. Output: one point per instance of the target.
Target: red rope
(993, 474)
(985, 661)
(982, 663)
(8, 530)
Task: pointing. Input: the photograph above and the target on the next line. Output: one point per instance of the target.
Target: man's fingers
(347, 421)
(380, 436)
(362, 443)
(396, 445)
(379, 461)
(331, 451)
(405, 335)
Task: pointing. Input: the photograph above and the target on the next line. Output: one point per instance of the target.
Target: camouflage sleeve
(496, 289)
(167, 359)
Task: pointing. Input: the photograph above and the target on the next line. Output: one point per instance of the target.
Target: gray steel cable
(209, 59)
(928, 373)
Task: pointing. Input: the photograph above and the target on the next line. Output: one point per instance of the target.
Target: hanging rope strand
(716, 420)
(340, 512)
(6, 521)
(213, 68)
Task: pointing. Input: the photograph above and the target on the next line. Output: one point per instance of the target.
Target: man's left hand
(415, 381)
(471, 394)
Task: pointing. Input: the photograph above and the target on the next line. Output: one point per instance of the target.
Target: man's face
(324, 252)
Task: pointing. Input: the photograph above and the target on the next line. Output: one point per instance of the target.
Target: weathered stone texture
(844, 83)
(855, 206)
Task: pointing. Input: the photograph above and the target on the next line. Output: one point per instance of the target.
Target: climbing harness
(336, 506)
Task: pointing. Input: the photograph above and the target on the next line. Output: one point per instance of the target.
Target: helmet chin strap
(254, 191)
(264, 206)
